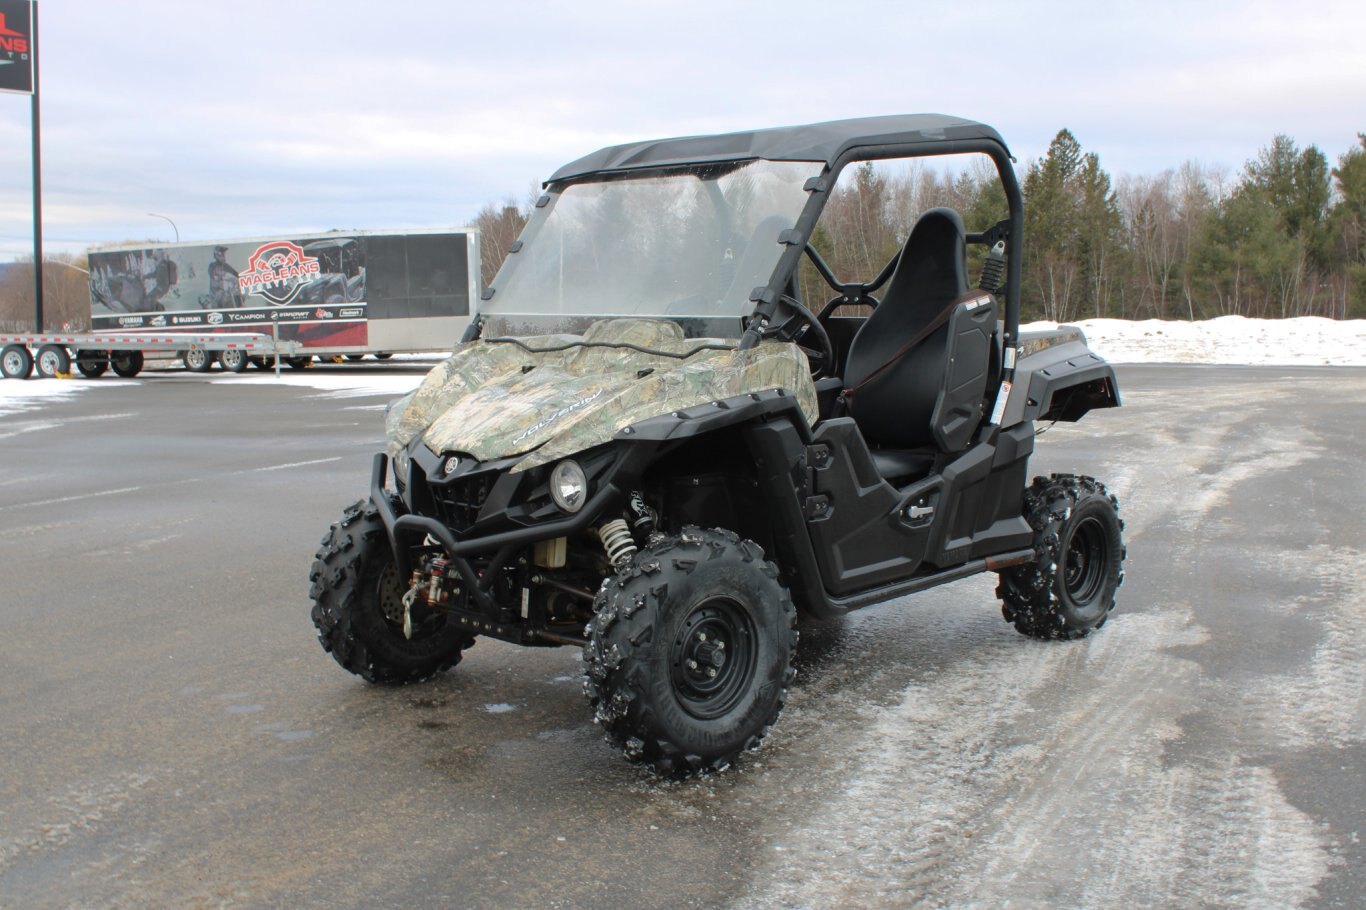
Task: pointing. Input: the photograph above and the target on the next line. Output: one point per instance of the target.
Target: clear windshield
(687, 242)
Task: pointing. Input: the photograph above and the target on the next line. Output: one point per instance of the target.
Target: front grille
(460, 500)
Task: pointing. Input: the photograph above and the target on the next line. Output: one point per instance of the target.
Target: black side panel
(852, 514)
(988, 484)
(958, 409)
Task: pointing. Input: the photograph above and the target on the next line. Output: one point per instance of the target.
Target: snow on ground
(1304, 341)
(26, 396)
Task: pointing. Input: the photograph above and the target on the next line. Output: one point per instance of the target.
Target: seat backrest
(895, 408)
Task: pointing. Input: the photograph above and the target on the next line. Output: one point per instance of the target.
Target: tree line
(1284, 237)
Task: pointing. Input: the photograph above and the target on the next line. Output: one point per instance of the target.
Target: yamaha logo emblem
(451, 464)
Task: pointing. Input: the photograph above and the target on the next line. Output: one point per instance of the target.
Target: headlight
(403, 466)
(568, 486)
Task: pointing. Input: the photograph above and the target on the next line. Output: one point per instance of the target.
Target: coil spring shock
(617, 541)
(994, 269)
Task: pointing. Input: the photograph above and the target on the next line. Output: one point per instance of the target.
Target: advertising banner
(17, 48)
(312, 289)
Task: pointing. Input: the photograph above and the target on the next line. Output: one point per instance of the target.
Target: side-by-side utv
(650, 447)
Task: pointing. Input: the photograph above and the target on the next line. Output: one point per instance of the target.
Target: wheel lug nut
(701, 636)
(711, 672)
(692, 665)
(720, 646)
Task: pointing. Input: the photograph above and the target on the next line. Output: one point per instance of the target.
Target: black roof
(813, 142)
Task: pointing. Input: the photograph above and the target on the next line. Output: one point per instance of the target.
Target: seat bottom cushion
(899, 464)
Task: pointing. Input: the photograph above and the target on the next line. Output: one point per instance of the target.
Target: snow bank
(1306, 341)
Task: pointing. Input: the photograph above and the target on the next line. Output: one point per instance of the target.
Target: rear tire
(1069, 589)
(690, 654)
(126, 363)
(358, 608)
(52, 361)
(92, 364)
(16, 362)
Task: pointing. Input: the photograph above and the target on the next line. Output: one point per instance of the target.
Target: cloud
(315, 115)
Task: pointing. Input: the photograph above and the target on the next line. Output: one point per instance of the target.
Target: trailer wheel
(299, 363)
(383, 355)
(92, 364)
(355, 358)
(126, 363)
(198, 361)
(16, 362)
(52, 361)
(234, 361)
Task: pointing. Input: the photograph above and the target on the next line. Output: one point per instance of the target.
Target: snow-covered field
(1306, 341)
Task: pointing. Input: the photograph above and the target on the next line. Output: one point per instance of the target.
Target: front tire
(1069, 589)
(358, 607)
(16, 362)
(198, 360)
(690, 654)
(234, 361)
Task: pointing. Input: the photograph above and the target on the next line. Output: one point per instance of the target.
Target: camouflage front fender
(551, 396)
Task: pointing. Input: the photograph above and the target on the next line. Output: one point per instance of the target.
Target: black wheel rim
(713, 658)
(389, 593)
(1084, 562)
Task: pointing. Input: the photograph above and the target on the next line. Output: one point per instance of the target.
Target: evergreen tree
(1347, 230)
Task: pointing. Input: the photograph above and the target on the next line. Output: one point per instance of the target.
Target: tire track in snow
(984, 788)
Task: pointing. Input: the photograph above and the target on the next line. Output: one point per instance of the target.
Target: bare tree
(66, 295)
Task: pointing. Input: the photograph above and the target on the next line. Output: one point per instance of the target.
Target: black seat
(894, 408)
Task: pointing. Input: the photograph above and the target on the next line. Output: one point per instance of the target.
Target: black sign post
(19, 73)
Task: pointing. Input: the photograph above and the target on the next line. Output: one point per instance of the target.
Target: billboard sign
(237, 286)
(17, 48)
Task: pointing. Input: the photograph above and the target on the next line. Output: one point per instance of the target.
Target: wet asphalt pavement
(172, 735)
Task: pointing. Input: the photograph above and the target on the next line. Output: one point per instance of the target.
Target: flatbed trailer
(53, 355)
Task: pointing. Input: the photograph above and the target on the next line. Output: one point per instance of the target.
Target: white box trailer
(339, 294)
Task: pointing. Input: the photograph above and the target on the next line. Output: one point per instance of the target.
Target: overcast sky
(238, 119)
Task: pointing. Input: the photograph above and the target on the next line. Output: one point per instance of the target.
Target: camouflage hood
(549, 396)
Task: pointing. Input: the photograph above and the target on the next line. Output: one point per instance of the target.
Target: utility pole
(19, 73)
(37, 184)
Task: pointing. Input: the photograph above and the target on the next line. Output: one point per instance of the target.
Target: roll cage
(839, 144)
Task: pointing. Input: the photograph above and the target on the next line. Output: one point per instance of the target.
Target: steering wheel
(795, 324)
